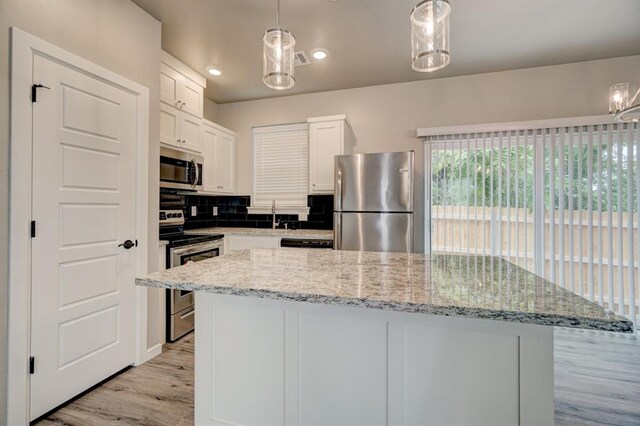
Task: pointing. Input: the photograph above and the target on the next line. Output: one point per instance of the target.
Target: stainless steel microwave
(180, 170)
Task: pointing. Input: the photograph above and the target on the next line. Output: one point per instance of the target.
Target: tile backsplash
(232, 212)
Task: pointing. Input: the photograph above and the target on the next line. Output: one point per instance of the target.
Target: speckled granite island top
(450, 285)
(266, 232)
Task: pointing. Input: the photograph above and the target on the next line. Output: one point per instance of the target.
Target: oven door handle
(196, 248)
(188, 314)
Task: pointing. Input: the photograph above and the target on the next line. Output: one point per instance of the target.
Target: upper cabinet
(182, 125)
(179, 129)
(181, 93)
(180, 86)
(328, 137)
(219, 152)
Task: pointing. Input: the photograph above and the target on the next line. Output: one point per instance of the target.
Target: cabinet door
(169, 85)
(190, 132)
(191, 96)
(227, 162)
(170, 125)
(209, 169)
(325, 142)
(243, 242)
(219, 163)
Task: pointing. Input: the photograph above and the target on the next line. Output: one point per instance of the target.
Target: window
(281, 166)
(562, 202)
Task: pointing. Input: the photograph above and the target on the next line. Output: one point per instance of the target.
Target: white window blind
(281, 165)
(562, 202)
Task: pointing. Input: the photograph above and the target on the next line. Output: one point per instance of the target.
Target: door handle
(196, 173)
(128, 244)
(188, 314)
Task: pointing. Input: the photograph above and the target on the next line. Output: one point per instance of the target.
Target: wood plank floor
(159, 392)
(597, 382)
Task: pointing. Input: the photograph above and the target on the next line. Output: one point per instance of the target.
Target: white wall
(115, 34)
(385, 118)
(211, 110)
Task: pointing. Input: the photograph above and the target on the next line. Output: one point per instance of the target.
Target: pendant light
(430, 35)
(623, 108)
(278, 56)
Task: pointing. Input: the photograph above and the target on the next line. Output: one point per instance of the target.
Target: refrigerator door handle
(338, 188)
(337, 232)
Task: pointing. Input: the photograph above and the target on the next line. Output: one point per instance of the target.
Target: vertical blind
(562, 202)
(281, 165)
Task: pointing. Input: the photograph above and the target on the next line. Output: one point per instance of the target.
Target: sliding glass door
(562, 202)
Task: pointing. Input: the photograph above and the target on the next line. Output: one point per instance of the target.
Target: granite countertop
(266, 232)
(452, 285)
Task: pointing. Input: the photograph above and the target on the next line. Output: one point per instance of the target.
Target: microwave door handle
(197, 173)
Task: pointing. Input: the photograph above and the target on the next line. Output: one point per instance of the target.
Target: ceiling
(369, 40)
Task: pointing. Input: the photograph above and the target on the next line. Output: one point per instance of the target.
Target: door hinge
(33, 229)
(34, 91)
(32, 364)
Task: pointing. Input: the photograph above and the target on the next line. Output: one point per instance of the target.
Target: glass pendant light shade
(278, 59)
(618, 97)
(430, 35)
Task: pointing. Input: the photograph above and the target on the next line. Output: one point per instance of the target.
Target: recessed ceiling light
(319, 54)
(214, 71)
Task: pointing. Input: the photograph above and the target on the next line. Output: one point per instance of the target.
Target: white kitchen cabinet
(179, 129)
(162, 255)
(190, 132)
(182, 96)
(219, 152)
(225, 150)
(243, 242)
(170, 126)
(180, 86)
(328, 137)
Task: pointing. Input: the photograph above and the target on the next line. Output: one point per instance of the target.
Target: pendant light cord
(277, 13)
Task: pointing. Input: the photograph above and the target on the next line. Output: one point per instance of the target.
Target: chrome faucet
(273, 211)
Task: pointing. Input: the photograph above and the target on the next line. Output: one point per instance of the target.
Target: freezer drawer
(388, 232)
(381, 182)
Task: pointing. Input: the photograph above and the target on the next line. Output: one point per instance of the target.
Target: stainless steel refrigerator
(374, 202)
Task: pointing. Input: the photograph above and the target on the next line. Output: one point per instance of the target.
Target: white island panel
(343, 370)
(248, 367)
(452, 376)
(273, 362)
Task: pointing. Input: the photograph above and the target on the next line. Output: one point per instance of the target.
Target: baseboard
(151, 353)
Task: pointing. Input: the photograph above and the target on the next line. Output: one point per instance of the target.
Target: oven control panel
(171, 217)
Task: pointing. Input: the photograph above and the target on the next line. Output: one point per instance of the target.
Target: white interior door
(84, 171)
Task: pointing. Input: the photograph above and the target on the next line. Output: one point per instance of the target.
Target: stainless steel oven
(182, 249)
(180, 170)
(195, 252)
(181, 304)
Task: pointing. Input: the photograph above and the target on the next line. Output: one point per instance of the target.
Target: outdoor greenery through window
(560, 202)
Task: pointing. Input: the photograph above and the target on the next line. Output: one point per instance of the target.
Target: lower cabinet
(242, 242)
(162, 256)
(219, 151)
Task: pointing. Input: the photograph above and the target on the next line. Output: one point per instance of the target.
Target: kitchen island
(323, 337)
